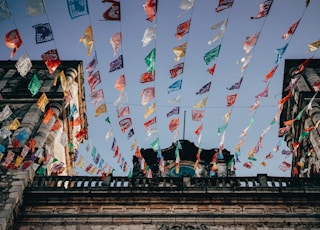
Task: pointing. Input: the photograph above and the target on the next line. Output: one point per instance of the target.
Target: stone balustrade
(172, 183)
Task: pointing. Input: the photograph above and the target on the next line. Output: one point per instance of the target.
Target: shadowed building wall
(302, 108)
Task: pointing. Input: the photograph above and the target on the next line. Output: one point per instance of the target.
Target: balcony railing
(261, 182)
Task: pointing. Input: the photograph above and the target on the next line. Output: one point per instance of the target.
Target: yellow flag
(133, 146)
(227, 116)
(63, 81)
(15, 124)
(42, 102)
(87, 39)
(101, 109)
(18, 161)
(92, 170)
(314, 46)
(80, 161)
(201, 103)
(180, 51)
(151, 109)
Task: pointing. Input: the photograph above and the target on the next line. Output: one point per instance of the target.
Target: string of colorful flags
(99, 165)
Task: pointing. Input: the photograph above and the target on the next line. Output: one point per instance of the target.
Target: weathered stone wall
(12, 186)
(217, 203)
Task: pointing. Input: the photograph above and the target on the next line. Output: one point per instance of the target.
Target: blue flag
(77, 8)
(175, 86)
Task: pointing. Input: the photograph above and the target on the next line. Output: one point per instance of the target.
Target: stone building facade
(36, 116)
(300, 117)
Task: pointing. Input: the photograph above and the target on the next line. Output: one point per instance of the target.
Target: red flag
(81, 134)
(224, 4)
(284, 99)
(56, 126)
(116, 152)
(199, 129)
(291, 30)
(248, 164)
(270, 74)
(150, 122)
(48, 115)
(125, 124)
(113, 13)
(150, 7)
(51, 59)
(173, 125)
(303, 65)
(147, 77)
(76, 122)
(13, 41)
(137, 153)
(231, 99)
(183, 29)
(263, 9)
(177, 70)
(212, 69)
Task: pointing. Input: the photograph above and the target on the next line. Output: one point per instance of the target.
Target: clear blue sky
(283, 13)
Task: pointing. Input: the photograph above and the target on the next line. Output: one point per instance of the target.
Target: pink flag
(97, 96)
(264, 93)
(120, 83)
(93, 80)
(173, 125)
(197, 115)
(250, 42)
(123, 111)
(147, 95)
(116, 41)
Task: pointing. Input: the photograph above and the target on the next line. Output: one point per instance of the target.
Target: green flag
(34, 85)
(212, 54)
(150, 60)
(155, 145)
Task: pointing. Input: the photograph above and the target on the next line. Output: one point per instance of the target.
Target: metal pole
(184, 124)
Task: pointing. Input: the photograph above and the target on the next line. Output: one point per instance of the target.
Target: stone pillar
(44, 129)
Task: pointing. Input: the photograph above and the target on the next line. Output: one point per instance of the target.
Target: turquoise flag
(212, 54)
(280, 53)
(175, 86)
